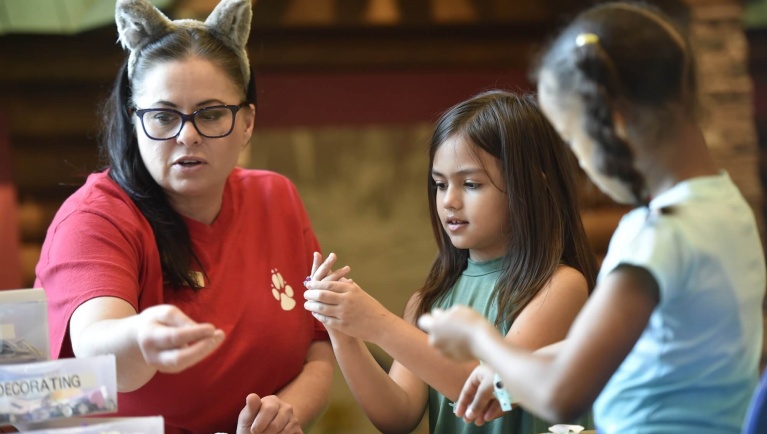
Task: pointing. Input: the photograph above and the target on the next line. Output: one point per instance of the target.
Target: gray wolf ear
(139, 23)
(230, 21)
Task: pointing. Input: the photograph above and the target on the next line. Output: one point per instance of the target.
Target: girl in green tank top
(511, 244)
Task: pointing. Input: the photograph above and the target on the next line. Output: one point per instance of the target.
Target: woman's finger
(176, 360)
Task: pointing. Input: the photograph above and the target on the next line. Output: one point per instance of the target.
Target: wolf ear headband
(140, 23)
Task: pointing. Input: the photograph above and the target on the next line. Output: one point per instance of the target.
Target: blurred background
(348, 92)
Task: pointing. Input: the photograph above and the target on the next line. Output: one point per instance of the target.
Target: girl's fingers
(493, 411)
(324, 268)
(328, 285)
(468, 393)
(320, 296)
(425, 323)
(478, 407)
(316, 262)
(321, 308)
(338, 274)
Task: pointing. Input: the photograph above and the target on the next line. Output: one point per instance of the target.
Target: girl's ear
(139, 23)
(230, 20)
(620, 126)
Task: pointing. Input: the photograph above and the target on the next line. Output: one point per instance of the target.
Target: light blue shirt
(695, 366)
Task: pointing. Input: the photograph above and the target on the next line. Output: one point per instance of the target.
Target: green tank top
(475, 289)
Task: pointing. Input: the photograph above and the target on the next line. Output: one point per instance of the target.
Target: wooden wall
(351, 75)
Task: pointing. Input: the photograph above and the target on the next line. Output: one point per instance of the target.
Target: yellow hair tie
(585, 39)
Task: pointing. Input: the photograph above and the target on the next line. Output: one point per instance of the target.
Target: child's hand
(453, 331)
(324, 270)
(477, 403)
(345, 307)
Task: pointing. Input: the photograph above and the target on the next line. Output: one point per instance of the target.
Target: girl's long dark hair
(544, 228)
(119, 147)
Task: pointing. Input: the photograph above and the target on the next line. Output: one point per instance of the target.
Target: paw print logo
(282, 292)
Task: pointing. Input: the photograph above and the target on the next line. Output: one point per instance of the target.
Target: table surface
(588, 431)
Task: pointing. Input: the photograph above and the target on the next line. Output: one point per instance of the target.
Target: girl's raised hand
(345, 307)
(452, 331)
(477, 403)
(323, 270)
(171, 342)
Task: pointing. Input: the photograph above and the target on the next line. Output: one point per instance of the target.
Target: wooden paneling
(352, 71)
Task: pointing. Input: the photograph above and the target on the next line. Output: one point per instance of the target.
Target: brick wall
(727, 96)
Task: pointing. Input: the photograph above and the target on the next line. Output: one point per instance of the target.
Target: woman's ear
(252, 113)
(250, 122)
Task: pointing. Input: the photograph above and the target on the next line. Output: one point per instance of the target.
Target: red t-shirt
(256, 253)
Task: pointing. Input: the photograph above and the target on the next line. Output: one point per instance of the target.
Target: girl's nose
(451, 198)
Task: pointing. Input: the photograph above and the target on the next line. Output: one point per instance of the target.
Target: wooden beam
(310, 12)
(97, 57)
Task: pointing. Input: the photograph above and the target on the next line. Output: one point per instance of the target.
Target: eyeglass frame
(190, 117)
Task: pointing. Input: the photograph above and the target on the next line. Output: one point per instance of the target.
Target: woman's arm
(309, 392)
(295, 407)
(161, 338)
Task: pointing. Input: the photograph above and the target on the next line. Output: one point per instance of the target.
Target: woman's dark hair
(640, 63)
(544, 229)
(119, 146)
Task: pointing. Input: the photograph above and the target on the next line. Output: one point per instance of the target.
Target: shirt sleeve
(659, 247)
(84, 256)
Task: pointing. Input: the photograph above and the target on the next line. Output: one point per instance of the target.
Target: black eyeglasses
(212, 122)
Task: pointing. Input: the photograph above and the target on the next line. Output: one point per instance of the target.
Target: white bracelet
(501, 394)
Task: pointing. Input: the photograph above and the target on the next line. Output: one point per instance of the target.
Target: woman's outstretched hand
(171, 342)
